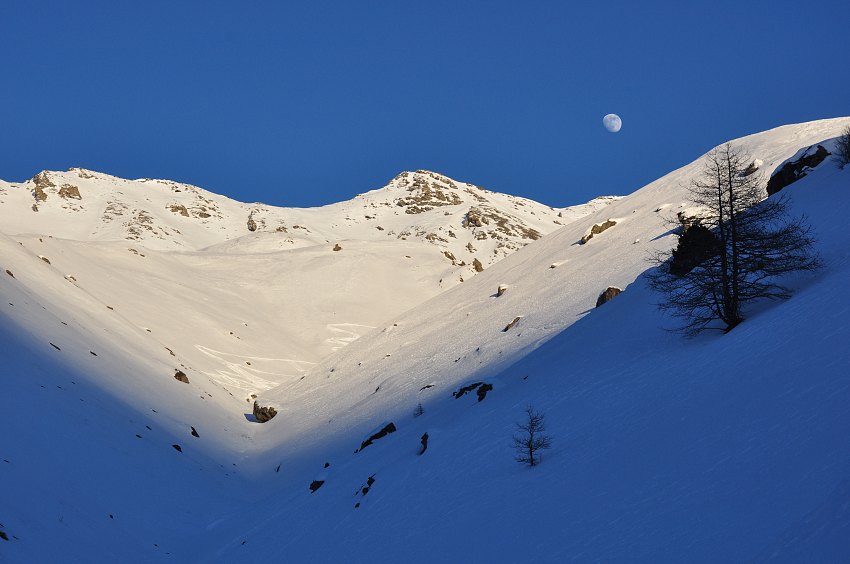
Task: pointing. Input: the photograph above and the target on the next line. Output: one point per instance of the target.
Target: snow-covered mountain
(718, 448)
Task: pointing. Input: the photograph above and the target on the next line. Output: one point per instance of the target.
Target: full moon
(612, 123)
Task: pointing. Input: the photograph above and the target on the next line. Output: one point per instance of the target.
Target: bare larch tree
(734, 249)
(530, 438)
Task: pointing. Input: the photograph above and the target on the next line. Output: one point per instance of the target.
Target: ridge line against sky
(309, 104)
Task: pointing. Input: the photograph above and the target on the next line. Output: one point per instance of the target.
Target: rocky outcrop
(180, 376)
(179, 208)
(480, 388)
(609, 294)
(263, 413)
(792, 171)
(9, 272)
(597, 229)
(424, 441)
(70, 191)
(476, 264)
(500, 291)
(510, 325)
(337, 247)
(40, 182)
(385, 430)
(252, 225)
(315, 485)
(696, 245)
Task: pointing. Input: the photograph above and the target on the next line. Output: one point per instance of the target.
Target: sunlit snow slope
(720, 448)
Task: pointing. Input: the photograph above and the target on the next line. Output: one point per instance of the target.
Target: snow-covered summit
(472, 227)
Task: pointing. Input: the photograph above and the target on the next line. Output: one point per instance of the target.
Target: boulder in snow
(609, 294)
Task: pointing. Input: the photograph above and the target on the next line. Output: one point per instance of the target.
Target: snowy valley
(147, 324)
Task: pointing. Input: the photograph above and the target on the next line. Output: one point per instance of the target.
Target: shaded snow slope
(723, 448)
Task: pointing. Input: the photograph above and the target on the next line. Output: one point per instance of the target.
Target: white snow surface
(724, 447)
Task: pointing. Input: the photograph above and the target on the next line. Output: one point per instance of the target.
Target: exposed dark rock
(177, 448)
(481, 388)
(252, 225)
(70, 191)
(337, 247)
(609, 294)
(369, 481)
(263, 414)
(55, 347)
(500, 291)
(180, 376)
(4, 536)
(327, 464)
(316, 484)
(511, 324)
(195, 433)
(597, 229)
(476, 264)
(9, 272)
(45, 259)
(792, 171)
(426, 386)
(482, 391)
(424, 441)
(696, 245)
(386, 430)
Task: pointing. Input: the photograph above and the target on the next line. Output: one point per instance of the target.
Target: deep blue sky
(312, 102)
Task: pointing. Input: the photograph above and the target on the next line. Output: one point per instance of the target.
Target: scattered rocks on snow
(365, 489)
(792, 171)
(510, 325)
(385, 430)
(264, 413)
(609, 294)
(180, 376)
(597, 229)
(315, 485)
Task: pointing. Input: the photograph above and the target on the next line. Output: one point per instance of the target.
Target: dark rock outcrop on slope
(609, 294)
(180, 376)
(386, 430)
(480, 388)
(263, 413)
(315, 485)
(792, 171)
